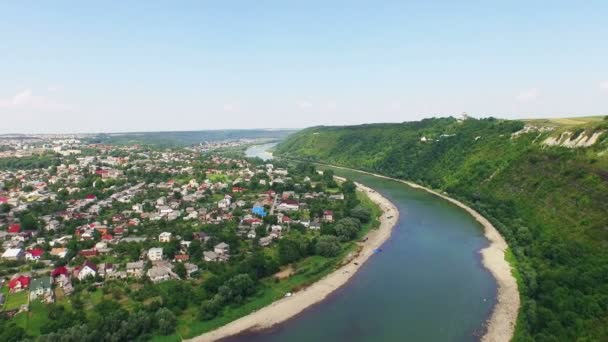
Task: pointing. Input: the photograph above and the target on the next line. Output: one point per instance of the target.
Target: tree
(195, 250)
(327, 246)
(29, 222)
(166, 321)
(362, 213)
(289, 251)
(180, 270)
(347, 228)
(241, 285)
(328, 176)
(349, 187)
(209, 309)
(171, 248)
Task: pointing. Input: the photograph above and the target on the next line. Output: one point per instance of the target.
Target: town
(184, 235)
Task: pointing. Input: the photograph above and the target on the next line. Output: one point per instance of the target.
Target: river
(428, 283)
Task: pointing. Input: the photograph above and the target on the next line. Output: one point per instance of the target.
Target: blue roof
(257, 210)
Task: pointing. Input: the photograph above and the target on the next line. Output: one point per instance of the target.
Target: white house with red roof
(14, 228)
(19, 283)
(88, 269)
(34, 254)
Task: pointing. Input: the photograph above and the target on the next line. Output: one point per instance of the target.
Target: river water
(428, 283)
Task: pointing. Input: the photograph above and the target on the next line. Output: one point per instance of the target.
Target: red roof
(328, 212)
(59, 271)
(286, 219)
(91, 196)
(91, 265)
(107, 237)
(119, 230)
(36, 252)
(182, 257)
(14, 228)
(23, 281)
(291, 202)
(88, 252)
(3, 199)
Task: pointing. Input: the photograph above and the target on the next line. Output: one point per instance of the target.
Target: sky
(81, 66)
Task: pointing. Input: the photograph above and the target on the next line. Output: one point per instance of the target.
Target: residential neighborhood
(123, 222)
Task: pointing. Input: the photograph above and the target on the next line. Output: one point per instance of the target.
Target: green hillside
(549, 202)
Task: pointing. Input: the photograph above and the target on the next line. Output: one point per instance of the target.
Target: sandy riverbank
(286, 308)
(501, 324)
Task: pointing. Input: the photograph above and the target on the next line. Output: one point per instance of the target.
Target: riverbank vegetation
(549, 202)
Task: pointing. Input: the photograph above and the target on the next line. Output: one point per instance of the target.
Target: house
(288, 205)
(107, 237)
(13, 254)
(314, 225)
(336, 197)
(59, 252)
(328, 216)
(106, 269)
(88, 253)
(276, 230)
(265, 241)
(41, 288)
(190, 269)
(181, 257)
(14, 228)
(135, 269)
(88, 269)
(164, 237)
(155, 254)
(19, 283)
(222, 248)
(210, 256)
(60, 276)
(158, 274)
(259, 211)
(59, 271)
(201, 236)
(33, 254)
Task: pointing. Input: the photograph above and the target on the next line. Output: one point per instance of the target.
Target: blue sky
(161, 65)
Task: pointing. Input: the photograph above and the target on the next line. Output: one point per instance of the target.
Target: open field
(583, 120)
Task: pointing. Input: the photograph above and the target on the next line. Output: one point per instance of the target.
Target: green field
(583, 120)
(15, 300)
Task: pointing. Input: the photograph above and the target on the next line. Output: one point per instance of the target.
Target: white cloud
(528, 95)
(26, 99)
(229, 107)
(604, 85)
(305, 104)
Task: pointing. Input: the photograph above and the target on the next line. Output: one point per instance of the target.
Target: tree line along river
(427, 284)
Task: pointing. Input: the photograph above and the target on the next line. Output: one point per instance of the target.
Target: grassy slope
(551, 204)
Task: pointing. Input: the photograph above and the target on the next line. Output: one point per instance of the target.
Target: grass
(36, 317)
(583, 120)
(15, 300)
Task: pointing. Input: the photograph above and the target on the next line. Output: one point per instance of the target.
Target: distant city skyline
(71, 67)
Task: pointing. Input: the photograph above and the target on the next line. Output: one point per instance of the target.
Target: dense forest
(549, 202)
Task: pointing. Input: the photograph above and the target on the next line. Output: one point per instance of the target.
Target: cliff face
(544, 186)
